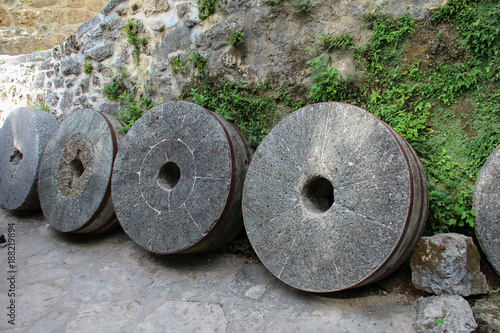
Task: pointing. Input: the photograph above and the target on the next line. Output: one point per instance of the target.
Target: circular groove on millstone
(324, 241)
(178, 179)
(23, 139)
(487, 208)
(75, 174)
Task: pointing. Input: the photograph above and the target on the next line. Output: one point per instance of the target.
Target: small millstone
(75, 174)
(178, 178)
(23, 138)
(333, 198)
(487, 208)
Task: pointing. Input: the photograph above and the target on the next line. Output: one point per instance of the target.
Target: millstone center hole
(16, 157)
(77, 169)
(317, 194)
(169, 175)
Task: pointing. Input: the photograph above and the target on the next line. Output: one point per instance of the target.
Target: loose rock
(487, 316)
(444, 314)
(448, 264)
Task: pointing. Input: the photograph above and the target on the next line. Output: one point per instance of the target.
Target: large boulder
(444, 314)
(448, 264)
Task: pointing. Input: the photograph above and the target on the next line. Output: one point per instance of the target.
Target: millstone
(333, 199)
(487, 207)
(178, 179)
(75, 174)
(23, 139)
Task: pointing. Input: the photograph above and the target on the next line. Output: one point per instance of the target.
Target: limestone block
(178, 178)
(74, 182)
(94, 6)
(42, 3)
(155, 6)
(487, 207)
(75, 3)
(448, 264)
(23, 138)
(71, 66)
(4, 18)
(100, 51)
(76, 16)
(444, 314)
(333, 199)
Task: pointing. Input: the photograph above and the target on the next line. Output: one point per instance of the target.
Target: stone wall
(30, 25)
(273, 50)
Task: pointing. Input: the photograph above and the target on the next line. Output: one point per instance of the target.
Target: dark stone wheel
(334, 199)
(75, 174)
(178, 178)
(487, 207)
(23, 139)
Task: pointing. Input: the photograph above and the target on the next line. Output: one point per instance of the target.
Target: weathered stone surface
(487, 315)
(4, 18)
(178, 178)
(101, 51)
(327, 198)
(444, 314)
(75, 172)
(110, 6)
(71, 66)
(23, 139)
(487, 207)
(448, 264)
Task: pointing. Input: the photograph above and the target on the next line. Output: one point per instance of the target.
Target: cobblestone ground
(56, 282)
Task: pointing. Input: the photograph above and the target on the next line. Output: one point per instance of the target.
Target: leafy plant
(334, 43)
(133, 106)
(240, 245)
(440, 321)
(114, 89)
(237, 103)
(179, 64)
(237, 38)
(39, 103)
(301, 7)
(87, 68)
(447, 110)
(272, 3)
(206, 8)
(182, 63)
(198, 61)
(131, 31)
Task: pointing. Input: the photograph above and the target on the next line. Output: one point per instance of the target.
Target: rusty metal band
(242, 137)
(382, 267)
(231, 188)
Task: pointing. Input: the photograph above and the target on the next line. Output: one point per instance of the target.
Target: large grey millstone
(178, 179)
(487, 207)
(333, 198)
(75, 174)
(448, 264)
(23, 139)
(438, 314)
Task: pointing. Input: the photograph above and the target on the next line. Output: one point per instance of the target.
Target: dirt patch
(433, 45)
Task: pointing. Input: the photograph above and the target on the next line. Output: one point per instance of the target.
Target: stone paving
(107, 283)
